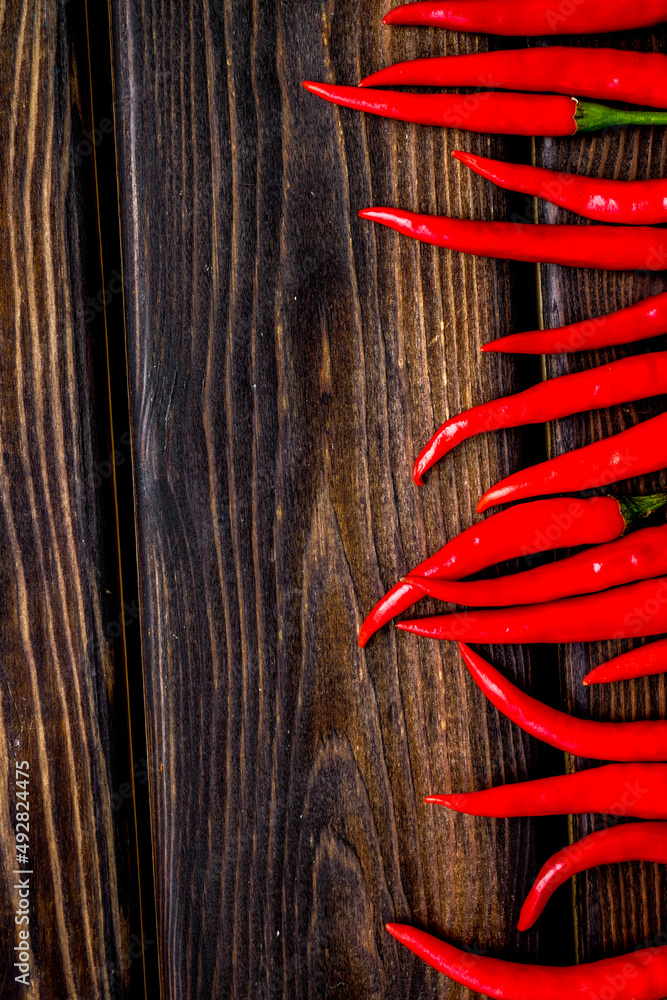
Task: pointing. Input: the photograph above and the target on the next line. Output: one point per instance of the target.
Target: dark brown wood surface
(63, 709)
(287, 361)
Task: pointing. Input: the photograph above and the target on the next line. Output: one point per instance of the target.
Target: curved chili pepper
(498, 114)
(606, 248)
(615, 844)
(530, 17)
(639, 556)
(615, 789)
(618, 382)
(611, 74)
(645, 661)
(641, 975)
(636, 609)
(626, 741)
(634, 452)
(520, 531)
(638, 203)
(640, 321)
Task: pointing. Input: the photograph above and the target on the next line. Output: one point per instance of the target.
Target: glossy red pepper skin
(530, 17)
(634, 452)
(603, 74)
(635, 610)
(520, 531)
(645, 661)
(624, 741)
(497, 114)
(613, 845)
(640, 321)
(615, 789)
(635, 203)
(594, 389)
(641, 975)
(605, 248)
(634, 557)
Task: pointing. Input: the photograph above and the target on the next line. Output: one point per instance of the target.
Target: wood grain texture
(62, 705)
(286, 363)
(617, 907)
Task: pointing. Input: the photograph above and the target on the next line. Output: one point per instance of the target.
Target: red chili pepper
(641, 975)
(607, 248)
(635, 452)
(615, 844)
(638, 203)
(638, 609)
(626, 741)
(619, 382)
(645, 319)
(499, 114)
(645, 661)
(611, 74)
(639, 556)
(616, 789)
(520, 531)
(530, 17)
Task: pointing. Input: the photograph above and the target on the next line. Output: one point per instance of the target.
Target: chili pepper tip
(597, 676)
(402, 932)
(365, 632)
(408, 627)
(402, 15)
(316, 88)
(385, 215)
(492, 497)
(447, 801)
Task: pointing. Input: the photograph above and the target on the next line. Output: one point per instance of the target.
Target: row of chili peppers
(619, 588)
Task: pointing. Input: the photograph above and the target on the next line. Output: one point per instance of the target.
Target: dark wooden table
(205, 485)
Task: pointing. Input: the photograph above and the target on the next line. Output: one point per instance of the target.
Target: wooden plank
(63, 713)
(618, 907)
(286, 363)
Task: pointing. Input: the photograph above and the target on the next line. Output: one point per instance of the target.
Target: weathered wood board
(66, 774)
(287, 361)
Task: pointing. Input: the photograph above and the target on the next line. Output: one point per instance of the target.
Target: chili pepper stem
(589, 117)
(524, 529)
(635, 508)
